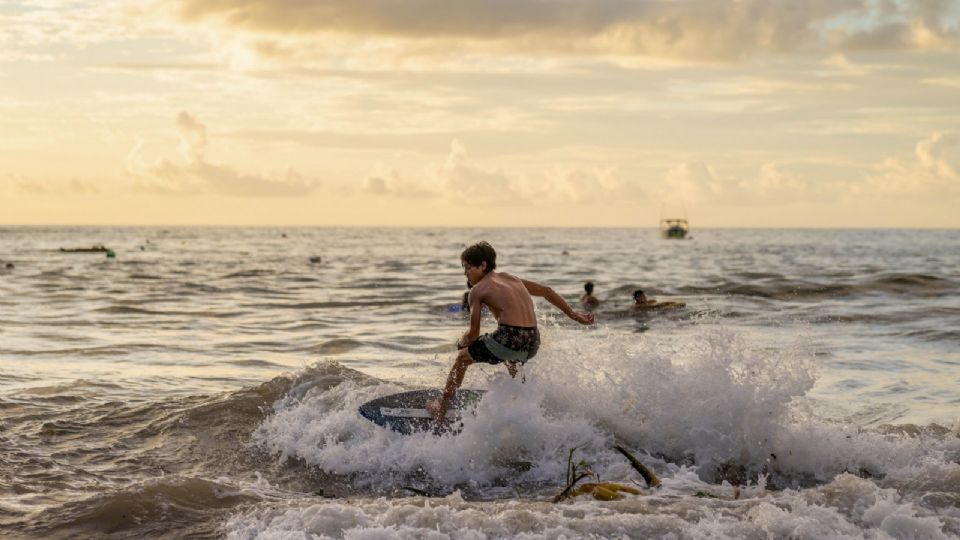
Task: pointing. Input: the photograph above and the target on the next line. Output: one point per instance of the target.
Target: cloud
(940, 153)
(910, 25)
(29, 25)
(690, 182)
(932, 173)
(935, 173)
(461, 178)
(693, 29)
(391, 183)
(16, 184)
(697, 182)
(199, 176)
(193, 137)
(457, 178)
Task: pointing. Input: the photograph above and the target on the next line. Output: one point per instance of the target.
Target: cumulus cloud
(698, 29)
(461, 178)
(467, 181)
(391, 183)
(697, 182)
(197, 175)
(692, 182)
(940, 154)
(935, 171)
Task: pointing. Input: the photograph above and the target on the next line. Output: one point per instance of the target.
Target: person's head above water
(588, 286)
(638, 296)
(480, 253)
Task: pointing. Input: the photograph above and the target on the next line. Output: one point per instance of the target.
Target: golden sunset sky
(752, 113)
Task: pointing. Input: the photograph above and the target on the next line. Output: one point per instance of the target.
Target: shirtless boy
(641, 301)
(516, 338)
(588, 300)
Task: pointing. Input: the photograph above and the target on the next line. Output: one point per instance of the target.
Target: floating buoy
(315, 259)
(111, 254)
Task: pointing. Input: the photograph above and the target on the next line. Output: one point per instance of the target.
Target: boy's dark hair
(588, 286)
(478, 253)
(637, 293)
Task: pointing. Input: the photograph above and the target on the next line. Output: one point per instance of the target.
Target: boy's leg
(513, 368)
(454, 380)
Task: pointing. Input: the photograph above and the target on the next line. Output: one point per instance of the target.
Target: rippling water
(205, 382)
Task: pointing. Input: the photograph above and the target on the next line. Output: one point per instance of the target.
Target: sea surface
(204, 383)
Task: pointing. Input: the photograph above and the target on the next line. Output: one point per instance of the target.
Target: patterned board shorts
(506, 344)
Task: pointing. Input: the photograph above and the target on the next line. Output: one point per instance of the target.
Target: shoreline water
(146, 396)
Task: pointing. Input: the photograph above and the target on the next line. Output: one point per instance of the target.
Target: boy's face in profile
(473, 273)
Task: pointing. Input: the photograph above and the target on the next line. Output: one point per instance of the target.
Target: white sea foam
(690, 408)
(713, 403)
(848, 507)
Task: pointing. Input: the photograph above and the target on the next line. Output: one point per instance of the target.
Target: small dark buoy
(111, 254)
(283, 235)
(315, 259)
(9, 266)
(565, 252)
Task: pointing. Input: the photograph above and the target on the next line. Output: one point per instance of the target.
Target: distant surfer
(516, 338)
(640, 300)
(588, 300)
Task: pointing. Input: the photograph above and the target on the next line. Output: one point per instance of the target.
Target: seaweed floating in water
(602, 491)
(648, 476)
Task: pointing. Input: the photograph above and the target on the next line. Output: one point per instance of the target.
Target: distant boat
(674, 228)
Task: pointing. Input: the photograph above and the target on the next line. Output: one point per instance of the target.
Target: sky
(552, 113)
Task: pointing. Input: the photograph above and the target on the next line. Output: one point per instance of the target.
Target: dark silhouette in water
(641, 302)
(98, 248)
(588, 300)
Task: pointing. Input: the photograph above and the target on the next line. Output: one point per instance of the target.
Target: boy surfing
(509, 298)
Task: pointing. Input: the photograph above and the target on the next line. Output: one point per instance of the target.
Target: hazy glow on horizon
(750, 113)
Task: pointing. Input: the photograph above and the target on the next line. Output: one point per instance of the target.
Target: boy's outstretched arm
(536, 289)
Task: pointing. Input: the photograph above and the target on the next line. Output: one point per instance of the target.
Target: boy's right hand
(583, 318)
(433, 407)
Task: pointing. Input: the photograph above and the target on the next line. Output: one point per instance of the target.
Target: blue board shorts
(506, 344)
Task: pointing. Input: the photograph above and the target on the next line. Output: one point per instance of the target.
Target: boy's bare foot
(512, 369)
(433, 407)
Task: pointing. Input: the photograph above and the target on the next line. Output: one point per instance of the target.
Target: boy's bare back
(507, 297)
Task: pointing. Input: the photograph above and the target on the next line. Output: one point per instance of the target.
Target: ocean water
(204, 384)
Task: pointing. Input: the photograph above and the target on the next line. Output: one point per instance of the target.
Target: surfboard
(670, 304)
(406, 413)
